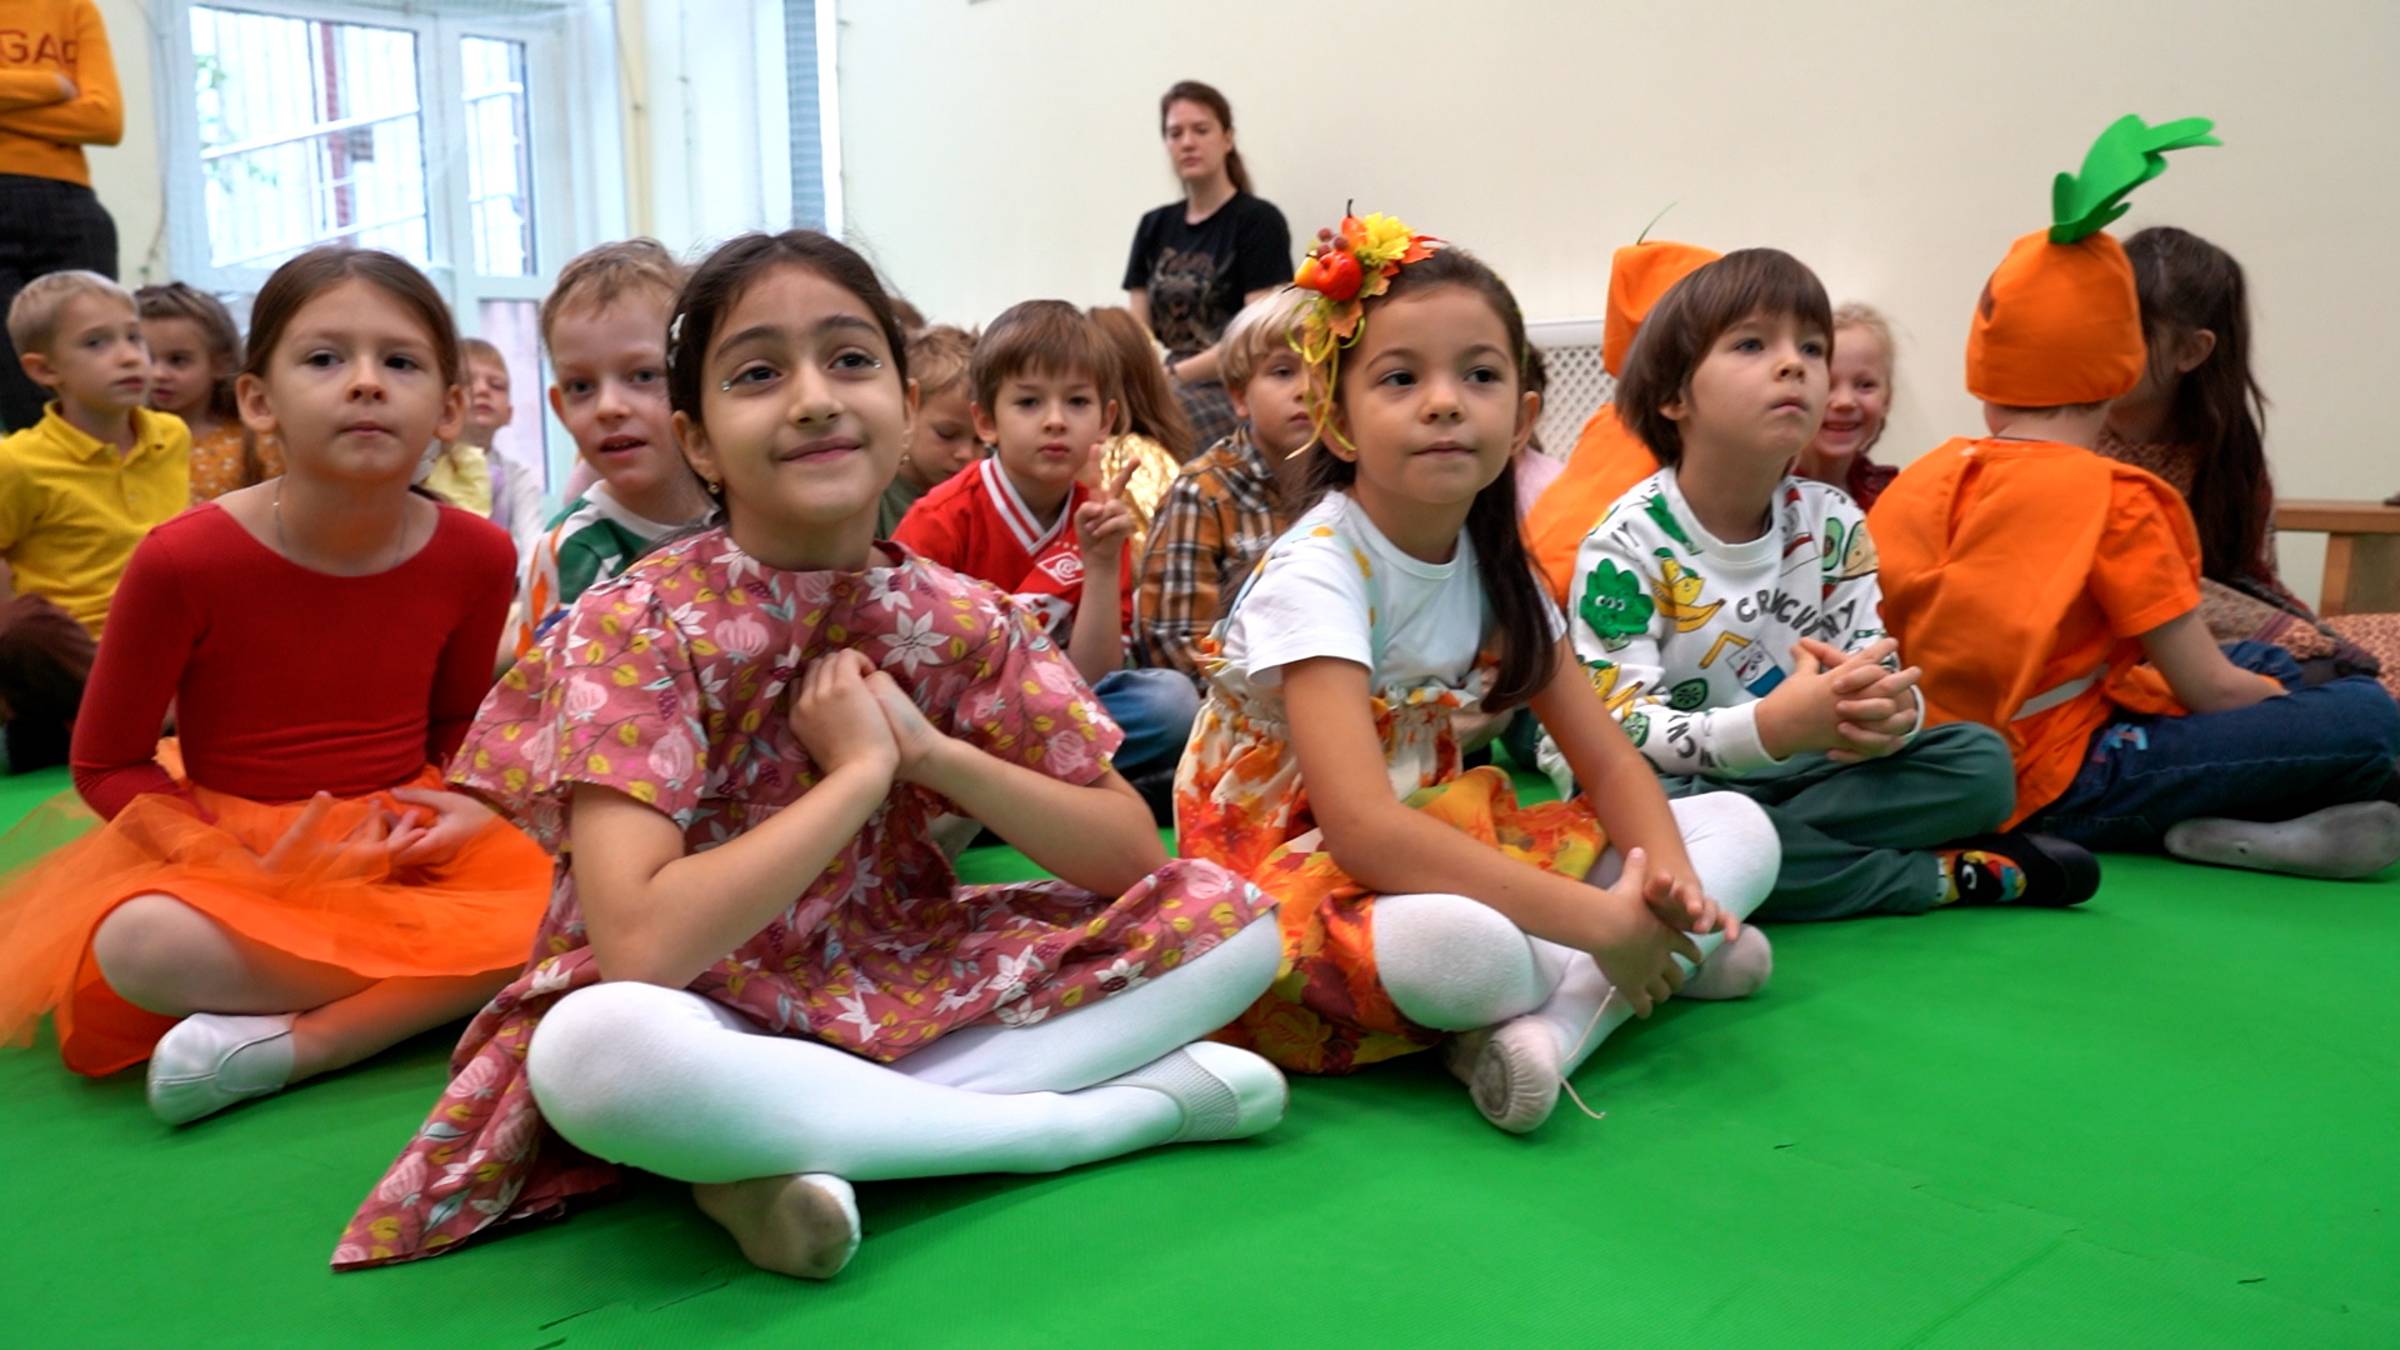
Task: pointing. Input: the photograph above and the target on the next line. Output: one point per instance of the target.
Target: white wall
(998, 150)
(708, 117)
(127, 176)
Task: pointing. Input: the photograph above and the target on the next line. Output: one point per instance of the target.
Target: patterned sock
(1979, 877)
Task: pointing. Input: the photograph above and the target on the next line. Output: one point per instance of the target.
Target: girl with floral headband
(1419, 902)
(758, 974)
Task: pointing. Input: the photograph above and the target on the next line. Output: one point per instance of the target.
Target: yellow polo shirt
(72, 508)
(461, 475)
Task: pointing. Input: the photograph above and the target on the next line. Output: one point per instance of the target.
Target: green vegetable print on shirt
(1615, 605)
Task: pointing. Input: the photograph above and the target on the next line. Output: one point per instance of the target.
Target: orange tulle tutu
(474, 913)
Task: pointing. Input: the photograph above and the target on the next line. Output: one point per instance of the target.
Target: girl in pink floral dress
(758, 973)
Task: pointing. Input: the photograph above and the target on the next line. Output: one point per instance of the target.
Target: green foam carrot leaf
(2130, 153)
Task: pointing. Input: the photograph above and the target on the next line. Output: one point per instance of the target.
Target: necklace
(399, 545)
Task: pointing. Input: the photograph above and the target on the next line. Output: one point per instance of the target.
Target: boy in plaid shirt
(1228, 505)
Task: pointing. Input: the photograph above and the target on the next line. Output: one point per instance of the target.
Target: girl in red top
(299, 892)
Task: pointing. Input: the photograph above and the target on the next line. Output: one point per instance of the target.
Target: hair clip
(1346, 270)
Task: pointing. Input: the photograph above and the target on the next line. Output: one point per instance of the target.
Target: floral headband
(1346, 270)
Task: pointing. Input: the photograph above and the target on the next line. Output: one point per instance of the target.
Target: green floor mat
(2167, 1119)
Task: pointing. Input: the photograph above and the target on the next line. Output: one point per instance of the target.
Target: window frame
(574, 141)
(570, 139)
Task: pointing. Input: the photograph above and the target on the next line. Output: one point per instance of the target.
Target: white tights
(1455, 964)
(673, 1083)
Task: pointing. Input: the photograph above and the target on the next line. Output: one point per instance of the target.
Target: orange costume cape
(1987, 548)
(1608, 459)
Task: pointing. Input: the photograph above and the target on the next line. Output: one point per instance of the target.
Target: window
(813, 109)
(443, 130)
(499, 170)
(337, 154)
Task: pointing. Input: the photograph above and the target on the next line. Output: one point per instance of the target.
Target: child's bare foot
(804, 1224)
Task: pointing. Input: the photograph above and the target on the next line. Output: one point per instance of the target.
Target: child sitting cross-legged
(1726, 610)
(605, 323)
(758, 975)
(1227, 506)
(2056, 594)
(1419, 902)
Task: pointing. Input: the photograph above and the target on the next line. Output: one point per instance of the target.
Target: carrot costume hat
(1639, 276)
(1988, 547)
(2059, 322)
(1608, 459)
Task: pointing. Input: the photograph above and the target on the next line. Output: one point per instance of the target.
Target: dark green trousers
(1859, 838)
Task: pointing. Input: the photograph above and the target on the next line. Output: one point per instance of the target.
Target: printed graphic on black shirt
(1181, 284)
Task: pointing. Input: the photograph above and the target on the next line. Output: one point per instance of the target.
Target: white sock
(2345, 842)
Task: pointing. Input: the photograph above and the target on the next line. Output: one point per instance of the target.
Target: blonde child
(759, 975)
(302, 894)
(1727, 612)
(1227, 506)
(1023, 521)
(1858, 401)
(943, 442)
(195, 352)
(1418, 901)
(468, 473)
(2055, 594)
(605, 325)
(78, 490)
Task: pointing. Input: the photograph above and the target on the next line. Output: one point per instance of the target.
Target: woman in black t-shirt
(1196, 262)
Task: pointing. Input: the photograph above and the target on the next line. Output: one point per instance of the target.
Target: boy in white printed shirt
(1728, 613)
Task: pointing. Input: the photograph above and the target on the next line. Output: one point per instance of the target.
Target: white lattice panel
(1579, 384)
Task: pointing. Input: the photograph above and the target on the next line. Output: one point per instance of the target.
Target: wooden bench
(2362, 552)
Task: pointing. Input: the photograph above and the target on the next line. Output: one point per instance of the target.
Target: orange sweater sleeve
(22, 89)
(96, 115)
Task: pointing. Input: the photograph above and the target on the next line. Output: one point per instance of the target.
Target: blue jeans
(2284, 757)
(1155, 707)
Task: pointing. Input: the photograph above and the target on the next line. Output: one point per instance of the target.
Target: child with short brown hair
(468, 473)
(1043, 375)
(2055, 595)
(1726, 610)
(605, 324)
